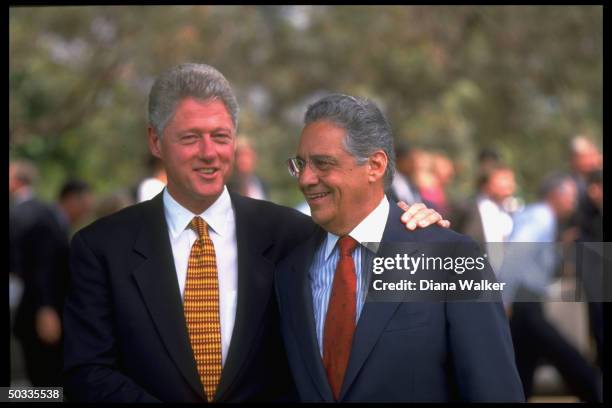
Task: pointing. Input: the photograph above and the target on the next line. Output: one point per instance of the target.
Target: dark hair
(594, 177)
(488, 154)
(402, 149)
(485, 175)
(552, 182)
(73, 187)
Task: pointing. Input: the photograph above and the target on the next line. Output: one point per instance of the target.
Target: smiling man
(171, 299)
(342, 348)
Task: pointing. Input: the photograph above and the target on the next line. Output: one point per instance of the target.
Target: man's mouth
(316, 196)
(208, 171)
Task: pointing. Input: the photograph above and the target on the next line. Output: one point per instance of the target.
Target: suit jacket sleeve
(41, 251)
(90, 350)
(481, 346)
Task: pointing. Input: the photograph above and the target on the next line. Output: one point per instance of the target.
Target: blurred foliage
(521, 79)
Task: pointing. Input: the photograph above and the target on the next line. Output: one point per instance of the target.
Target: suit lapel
(302, 316)
(156, 279)
(255, 278)
(374, 315)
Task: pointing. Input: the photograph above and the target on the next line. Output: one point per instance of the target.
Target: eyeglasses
(319, 165)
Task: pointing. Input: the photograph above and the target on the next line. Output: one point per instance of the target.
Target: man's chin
(319, 217)
(210, 191)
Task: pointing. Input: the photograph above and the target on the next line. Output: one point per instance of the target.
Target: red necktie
(340, 318)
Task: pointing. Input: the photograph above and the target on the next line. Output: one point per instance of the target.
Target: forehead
(322, 137)
(194, 112)
(502, 173)
(569, 185)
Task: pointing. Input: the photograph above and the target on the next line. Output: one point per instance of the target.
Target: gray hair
(553, 182)
(367, 129)
(199, 81)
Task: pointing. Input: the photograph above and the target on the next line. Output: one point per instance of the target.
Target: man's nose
(307, 176)
(206, 148)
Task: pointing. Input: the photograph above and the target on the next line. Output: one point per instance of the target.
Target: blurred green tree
(522, 79)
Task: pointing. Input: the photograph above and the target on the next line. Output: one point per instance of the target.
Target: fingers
(444, 223)
(409, 213)
(419, 215)
(403, 205)
(424, 218)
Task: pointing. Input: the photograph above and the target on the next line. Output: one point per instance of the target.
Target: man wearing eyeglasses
(171, 299)
(342, 348)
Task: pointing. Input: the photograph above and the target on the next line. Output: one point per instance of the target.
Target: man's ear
(154, 142)
(377, 164)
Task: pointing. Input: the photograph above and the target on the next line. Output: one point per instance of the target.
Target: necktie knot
(347, 245)
(199, 226)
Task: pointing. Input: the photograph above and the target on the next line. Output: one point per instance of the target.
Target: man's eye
(188, 138)
(322, 164)
(222, 138)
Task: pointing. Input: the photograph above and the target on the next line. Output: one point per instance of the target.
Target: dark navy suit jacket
(402, 351)
(125, 332)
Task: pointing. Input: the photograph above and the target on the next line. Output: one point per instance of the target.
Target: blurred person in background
(112, 203)
(432, 173)
(22, 177)
(585, 157)
(155, 183)
(586, 224)
(41, 246)
(528, 271)
(422, 171)
(487, 157)
(403, 187)
(244, 180)
(593, 226)
(484, 217)
(444, 170)
(592, 232)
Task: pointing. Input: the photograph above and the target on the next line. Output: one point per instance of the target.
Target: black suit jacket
(39, 250)
(126, 337)
(467, 220)
(404, 351)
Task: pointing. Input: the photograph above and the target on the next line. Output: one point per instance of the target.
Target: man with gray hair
(344, 348)
(171, 299)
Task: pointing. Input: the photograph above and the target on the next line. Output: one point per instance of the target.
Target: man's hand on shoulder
(419, 216)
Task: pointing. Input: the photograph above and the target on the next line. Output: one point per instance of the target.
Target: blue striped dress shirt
(323, 267)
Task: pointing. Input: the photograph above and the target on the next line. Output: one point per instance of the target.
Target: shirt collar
(179, 217)
(370, 229)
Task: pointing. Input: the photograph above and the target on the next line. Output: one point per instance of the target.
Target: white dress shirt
(323, 267)
(497, 226)
(496, 223)
(222, 230)
(149, 188)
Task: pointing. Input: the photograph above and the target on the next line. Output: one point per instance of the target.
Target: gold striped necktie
(201, 307)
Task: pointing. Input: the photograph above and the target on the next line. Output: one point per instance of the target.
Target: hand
(417, 215)
(48, 325)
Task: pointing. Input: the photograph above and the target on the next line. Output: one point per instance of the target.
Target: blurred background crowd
(496, 112)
